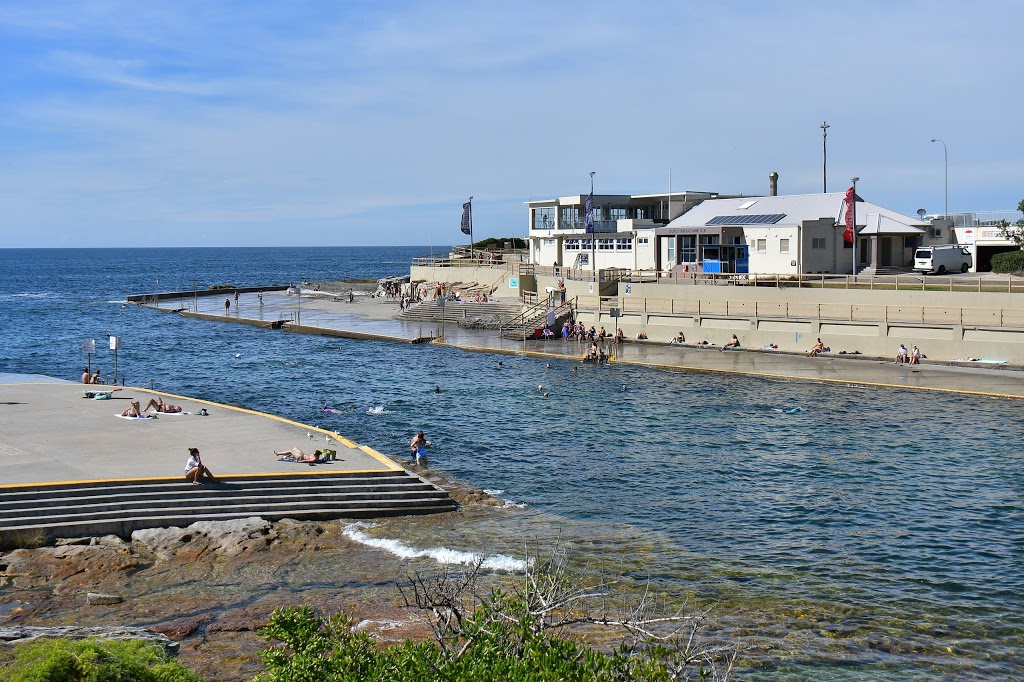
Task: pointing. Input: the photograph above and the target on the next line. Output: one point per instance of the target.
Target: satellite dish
(921, 212)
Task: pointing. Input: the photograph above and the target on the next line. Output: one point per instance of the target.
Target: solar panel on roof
(759, 219)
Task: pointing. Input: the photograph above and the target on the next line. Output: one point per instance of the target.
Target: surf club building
(705, 232)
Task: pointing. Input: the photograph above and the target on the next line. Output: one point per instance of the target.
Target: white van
(942, 259)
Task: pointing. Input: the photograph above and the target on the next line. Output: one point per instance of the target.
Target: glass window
(818, 243)
(642, 240)
(617, 213)
(762, 245)
(605, 244)
(670, 251)
(544, 218)
(571, 244)
(624, 244)
(688, 251)
(570, 218)
(783, 246)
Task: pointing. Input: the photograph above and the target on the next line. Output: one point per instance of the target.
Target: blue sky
(363, 123)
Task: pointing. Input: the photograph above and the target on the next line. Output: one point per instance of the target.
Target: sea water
(874, 534)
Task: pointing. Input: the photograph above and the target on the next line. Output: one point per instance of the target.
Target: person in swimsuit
(419, 445)
(134, 411)
(159, 405)
(297, 455)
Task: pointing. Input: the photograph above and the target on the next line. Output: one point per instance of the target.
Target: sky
(352, 122)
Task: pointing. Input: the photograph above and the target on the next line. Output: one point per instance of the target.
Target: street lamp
(824, 157)
(854, 181)
(945, 158)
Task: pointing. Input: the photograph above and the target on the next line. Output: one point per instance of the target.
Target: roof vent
(773, 178)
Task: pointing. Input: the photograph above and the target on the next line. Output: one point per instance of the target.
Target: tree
(1013, 232)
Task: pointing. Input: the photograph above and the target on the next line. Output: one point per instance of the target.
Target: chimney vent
(774, 178)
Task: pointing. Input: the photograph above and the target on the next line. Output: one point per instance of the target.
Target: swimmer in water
(544, 396)
(500, 363)
(547, 366)
(437, 389)
(575, 368)
(625, 387)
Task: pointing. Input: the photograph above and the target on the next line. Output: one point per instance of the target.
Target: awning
(875, 223)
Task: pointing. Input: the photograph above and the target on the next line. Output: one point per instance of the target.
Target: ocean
(877, 534)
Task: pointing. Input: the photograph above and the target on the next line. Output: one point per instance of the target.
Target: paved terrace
(50, 433)
(328, 316)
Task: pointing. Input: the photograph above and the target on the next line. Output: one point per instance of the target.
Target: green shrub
(1010, 261)
(91, 660)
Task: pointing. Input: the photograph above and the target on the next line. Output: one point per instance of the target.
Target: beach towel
(145, 416)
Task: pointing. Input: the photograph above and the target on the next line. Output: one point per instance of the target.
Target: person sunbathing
(134, 411)
(297, 455)
(159, 405)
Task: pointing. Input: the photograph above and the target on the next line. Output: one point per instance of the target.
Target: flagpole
(471, 228)
(854, 181)
(593, 235)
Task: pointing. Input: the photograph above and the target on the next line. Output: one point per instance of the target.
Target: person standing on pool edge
(419, 445)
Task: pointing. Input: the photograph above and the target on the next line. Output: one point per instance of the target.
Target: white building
(623, 229)
(708, 232)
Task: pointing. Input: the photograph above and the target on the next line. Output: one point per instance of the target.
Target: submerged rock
(16, 634)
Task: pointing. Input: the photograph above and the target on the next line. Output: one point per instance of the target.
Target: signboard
(968, 236)
(89, 346)
(615, 312)
(115, 342)
(513, 282)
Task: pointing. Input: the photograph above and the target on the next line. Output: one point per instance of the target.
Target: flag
(467, 218)
(589, 212)
(850, 199)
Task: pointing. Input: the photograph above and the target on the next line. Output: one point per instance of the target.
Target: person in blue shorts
(419, 445)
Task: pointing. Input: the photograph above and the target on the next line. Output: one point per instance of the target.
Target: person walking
(419, 445)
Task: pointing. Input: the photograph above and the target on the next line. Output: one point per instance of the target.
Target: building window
(571, 245)
(818, 243)
(670, 251)
(544, 218)
(762, 245)
(688, 251)
(605, 244)
(570, 218)
(642, 240)
(617, 213)
(783, 246)
(625, 244)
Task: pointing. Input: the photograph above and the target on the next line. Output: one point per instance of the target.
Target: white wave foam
(494, 493)
(377, 410)
(508, 504)
(442, 555)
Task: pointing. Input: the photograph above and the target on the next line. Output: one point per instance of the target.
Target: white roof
(795, 208)
(875, 223)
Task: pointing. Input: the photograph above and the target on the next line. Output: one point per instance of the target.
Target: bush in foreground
(91, 660)
(529, 633)
(1010, 261)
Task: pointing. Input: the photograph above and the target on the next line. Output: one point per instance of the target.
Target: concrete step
(128, 505)
(125, 527)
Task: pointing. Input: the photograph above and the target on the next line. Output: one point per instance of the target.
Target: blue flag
(589, 215)
(467, 218)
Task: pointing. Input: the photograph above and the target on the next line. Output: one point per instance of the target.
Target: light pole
(945, 159)
(854, 181)
(824, 157)
(589, 218)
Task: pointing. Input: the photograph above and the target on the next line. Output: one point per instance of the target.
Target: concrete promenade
(50, 433)
(328, 316)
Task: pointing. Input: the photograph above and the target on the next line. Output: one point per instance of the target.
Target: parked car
(942, 259)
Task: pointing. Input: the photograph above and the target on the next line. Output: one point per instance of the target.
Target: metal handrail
(1007, 318)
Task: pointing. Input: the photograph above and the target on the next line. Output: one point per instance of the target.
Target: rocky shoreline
(209, 588)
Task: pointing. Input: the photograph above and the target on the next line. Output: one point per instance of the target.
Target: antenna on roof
(921, 212)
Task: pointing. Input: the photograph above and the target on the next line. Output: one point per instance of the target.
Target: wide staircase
(535, 317)
(465, 314)
(121, 507)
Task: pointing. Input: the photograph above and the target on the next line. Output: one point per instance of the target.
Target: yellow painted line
(181, 479)
(380, 458)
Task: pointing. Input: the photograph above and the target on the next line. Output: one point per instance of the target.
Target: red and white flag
(848, 233)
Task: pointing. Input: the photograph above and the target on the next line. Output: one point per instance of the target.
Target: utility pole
(824, 156)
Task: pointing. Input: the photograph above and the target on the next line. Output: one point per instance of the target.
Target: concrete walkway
(324, 315)
(50, 433)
